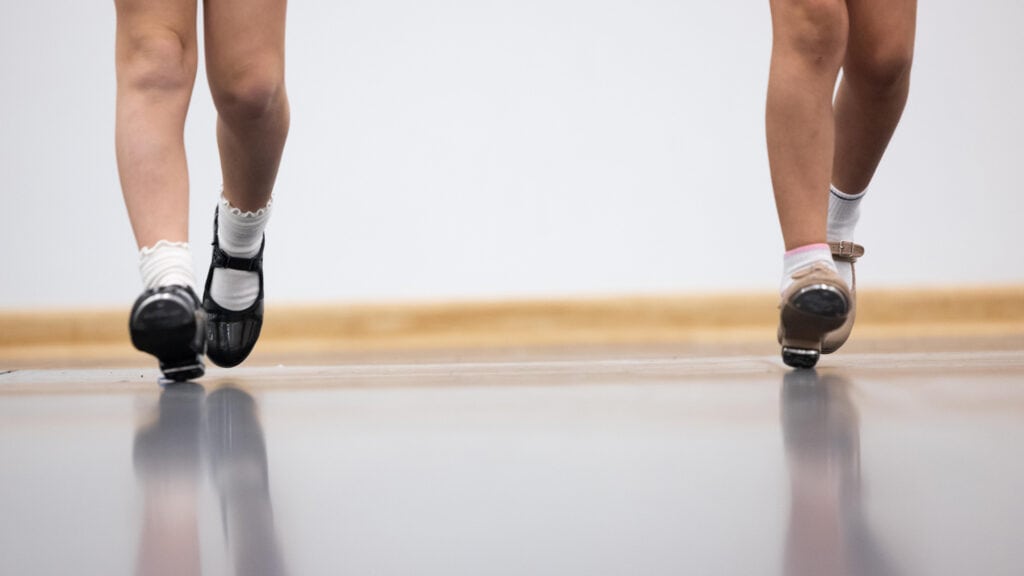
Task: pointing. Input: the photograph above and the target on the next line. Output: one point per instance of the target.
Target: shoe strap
(846, 251)
(222, 259)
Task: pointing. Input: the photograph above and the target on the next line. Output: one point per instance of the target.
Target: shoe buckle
(844, 250)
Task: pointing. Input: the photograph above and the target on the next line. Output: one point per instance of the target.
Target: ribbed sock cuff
(241, 233)
(166, 263)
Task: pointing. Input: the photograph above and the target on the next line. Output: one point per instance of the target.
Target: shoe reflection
(828, 534)
(238, 467)
(168, 458)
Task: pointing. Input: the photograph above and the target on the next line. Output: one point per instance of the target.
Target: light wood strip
(541, 322)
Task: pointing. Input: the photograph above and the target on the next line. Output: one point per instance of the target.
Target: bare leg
(245, 63)
(873, 92)
(808, 47)
(156, 66)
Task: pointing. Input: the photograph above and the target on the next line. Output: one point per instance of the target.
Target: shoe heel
(800, 357)
(806, 319)
(174, 333)
(176, 350)
(184, 369)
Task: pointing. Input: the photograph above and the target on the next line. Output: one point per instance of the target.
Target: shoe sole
(812, 313)
(172, 333)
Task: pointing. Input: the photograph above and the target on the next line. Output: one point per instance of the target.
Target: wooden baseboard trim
(542, 322)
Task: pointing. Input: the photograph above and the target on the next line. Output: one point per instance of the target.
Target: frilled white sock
(240, 234)
(843, 213)
(803, 257)
(165, 264)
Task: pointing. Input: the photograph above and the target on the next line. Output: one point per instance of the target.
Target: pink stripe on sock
(807, 248)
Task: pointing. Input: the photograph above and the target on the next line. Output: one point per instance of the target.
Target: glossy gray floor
(875, 464)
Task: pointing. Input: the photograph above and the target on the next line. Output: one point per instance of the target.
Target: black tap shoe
(232, 334)
(169, 323)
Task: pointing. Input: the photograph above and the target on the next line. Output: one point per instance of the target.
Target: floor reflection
(828, 534)
(169, 453)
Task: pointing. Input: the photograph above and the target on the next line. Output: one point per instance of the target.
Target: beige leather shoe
(816, 303)
(844, 252)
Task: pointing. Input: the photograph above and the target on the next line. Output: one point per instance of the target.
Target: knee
(813, 31)
(250, 92)
(157, 60)
(881, 68)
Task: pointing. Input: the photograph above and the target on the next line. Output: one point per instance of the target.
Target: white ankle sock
(803, 257)
(240, 234)
(843, 213)
(166, 263)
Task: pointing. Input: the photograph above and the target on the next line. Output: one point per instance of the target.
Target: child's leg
(245, 63)
(874, 88)
(868, 106)
(808, 45)
(156, 67)
(245, 68)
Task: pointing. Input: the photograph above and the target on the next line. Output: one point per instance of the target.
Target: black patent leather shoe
(169, 323)
(232, 334)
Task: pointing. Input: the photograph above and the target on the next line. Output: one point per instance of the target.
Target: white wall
(483, 149)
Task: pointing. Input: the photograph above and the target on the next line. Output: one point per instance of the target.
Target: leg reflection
(167, 460)
(828, 534)
(238, 466)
